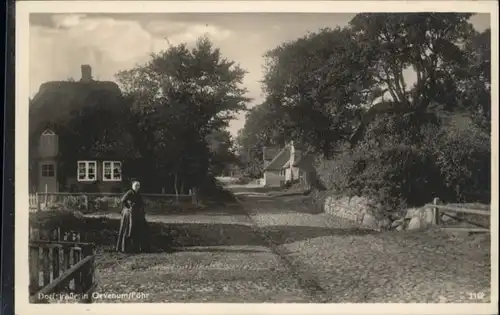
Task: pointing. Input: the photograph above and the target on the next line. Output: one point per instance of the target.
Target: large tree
(473, 88)
(319, 82)
(182, 96)
(333, 83)
(430, 44)
(351, 86)
(222, 152)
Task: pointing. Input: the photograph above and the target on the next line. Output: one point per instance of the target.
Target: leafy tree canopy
(334, 82)
(373, 97)
(183, 96)
(170, 121)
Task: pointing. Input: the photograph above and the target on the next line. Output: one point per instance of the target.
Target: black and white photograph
(180, 156)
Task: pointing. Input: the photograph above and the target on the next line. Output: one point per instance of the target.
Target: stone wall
(361, 211)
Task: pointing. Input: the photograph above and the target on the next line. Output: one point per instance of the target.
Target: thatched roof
(55, 101)
(282, 159)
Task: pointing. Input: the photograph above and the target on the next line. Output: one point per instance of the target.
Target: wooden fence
(61, 270)
(440, 210)
(89, 201)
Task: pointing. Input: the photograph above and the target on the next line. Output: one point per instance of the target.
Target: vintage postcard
(305, 157)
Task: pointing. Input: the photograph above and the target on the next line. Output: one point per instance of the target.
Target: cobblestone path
(352, 265)
(276, 250)
(231, 264)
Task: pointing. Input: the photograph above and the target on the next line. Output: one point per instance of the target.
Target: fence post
(192, 192)
(77, 256)
(38, 202)
(86, 198)
(46, 197)
(161, 199)
(46, 265)
(34, 268)
(436, 213)
(55, 262)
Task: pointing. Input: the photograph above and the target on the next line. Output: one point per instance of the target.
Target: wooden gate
(61, 270)
(458, 213)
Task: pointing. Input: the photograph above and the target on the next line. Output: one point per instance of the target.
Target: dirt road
(218, 257)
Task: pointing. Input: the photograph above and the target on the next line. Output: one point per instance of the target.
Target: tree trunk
(175, 188)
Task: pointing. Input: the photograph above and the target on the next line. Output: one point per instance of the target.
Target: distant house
(271, 177)
(50, 109)
(268, 154)
(290, 164)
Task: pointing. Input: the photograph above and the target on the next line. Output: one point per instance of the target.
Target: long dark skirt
(132, 236)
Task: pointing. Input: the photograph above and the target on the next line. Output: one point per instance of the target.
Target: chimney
(86, 73)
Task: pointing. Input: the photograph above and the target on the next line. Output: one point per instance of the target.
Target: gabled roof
(301, 157)
(279, 160)
(282, 159)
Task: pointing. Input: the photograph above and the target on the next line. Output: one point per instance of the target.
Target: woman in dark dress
(133, 227)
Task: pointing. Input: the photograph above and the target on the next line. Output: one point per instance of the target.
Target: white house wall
(292, 173)
(273, 178)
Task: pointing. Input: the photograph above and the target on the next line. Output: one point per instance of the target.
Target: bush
(394, 176)
(462, 153)
(79, 203)
(49, 220)
(335, 174)
(161, 204)
(53, 206)
(103, 203)
(395, 170)
(101, 231)
(391, 176)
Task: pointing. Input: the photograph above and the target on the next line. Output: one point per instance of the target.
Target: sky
(61, 43)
